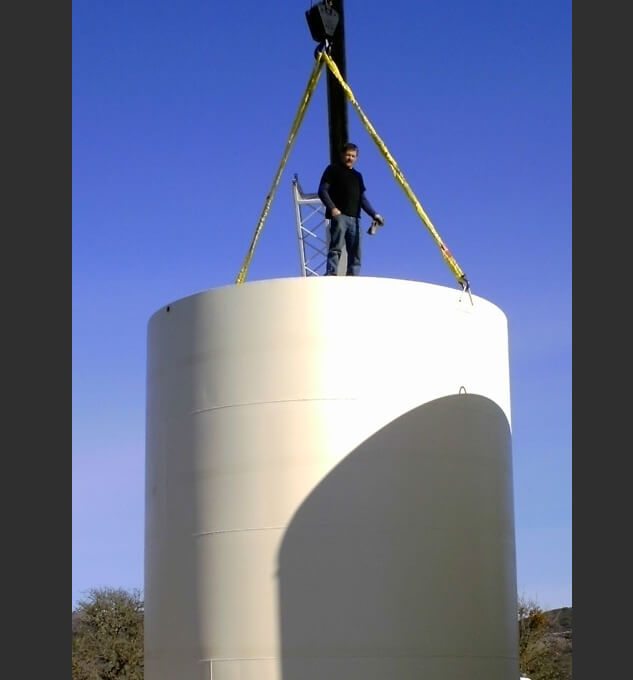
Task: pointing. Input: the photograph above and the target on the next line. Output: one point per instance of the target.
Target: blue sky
(180, 116)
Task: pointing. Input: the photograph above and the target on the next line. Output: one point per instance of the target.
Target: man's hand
(377, 221)
(335, 212)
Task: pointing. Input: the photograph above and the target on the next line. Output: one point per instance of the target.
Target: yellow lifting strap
(305, 100)
(450, 260)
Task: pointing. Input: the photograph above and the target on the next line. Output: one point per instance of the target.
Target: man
(342, 191)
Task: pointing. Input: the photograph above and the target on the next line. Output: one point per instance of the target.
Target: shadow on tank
(401, 563)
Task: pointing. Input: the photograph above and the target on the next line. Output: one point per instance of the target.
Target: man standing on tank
(342, 191)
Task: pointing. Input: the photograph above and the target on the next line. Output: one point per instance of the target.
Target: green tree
(540, 652)
(107, 629)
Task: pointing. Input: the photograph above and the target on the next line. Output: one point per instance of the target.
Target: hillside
(559, 639)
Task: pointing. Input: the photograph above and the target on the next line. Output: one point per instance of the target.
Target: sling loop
(321, 56)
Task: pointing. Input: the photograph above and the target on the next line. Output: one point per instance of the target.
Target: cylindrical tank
(329, 484)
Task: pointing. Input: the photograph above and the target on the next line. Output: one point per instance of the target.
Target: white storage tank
(329, 484)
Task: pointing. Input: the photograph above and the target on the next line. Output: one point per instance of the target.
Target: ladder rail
(313, 246)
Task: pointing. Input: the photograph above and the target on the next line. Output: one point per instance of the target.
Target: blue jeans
(344, 230)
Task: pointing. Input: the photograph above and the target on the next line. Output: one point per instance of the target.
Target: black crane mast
(327, 26)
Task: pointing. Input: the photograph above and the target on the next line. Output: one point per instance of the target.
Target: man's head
(349, 154)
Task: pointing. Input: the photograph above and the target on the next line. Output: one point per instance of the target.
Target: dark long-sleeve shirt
(343, 188)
